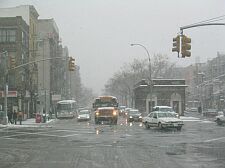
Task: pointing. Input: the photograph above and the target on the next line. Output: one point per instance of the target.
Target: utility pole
(5, 57)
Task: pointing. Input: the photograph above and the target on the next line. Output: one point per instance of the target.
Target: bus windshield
(64, 107)
(105, 101)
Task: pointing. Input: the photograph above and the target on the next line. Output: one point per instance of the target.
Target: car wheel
(218, 121)
(160, 126)
(147, 125)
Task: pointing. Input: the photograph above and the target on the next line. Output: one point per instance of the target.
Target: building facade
(30, 16)
(14, 40)
(48, 70)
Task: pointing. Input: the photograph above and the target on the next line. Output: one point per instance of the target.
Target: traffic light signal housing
(176, 44)
(71, 64)
(12, 62)
(185, 46)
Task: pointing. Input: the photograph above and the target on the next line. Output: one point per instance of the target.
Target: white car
(220, 118)
(162, 120)
(84, 115)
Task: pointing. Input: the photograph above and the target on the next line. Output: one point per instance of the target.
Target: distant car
(121, 110)
(220, 118)
(134, 115)
(193, 109)
(162, 120)
(83, 115)
(165, 109)
(126, 111)
(210, 113)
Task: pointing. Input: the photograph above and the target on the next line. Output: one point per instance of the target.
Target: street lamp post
(150, 69)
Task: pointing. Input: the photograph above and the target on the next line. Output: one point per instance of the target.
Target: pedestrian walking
(14, 116)
(20, 117)
(10, 117)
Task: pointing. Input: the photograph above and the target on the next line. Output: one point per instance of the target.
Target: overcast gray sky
(98, 33)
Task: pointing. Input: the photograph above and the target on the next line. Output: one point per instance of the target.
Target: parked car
(134, 115)
(162, 120)
(165, 109)
(210, 113)
(220, 118)
(83, 115)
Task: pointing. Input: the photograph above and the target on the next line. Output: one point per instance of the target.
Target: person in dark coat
(14, 116)
(20, 117)
(10, 117)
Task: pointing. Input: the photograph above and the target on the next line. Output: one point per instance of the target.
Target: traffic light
(185, 46)
(71, 64)
(12, 62)
(176, 44)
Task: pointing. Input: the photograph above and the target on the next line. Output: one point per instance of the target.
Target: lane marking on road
(77, 131)
(104, 145)
(64, 136)
(88, 146)
(215, 139)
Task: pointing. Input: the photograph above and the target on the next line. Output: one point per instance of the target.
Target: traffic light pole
(200, 25)
(22, 65)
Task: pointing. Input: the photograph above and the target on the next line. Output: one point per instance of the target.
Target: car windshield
(161, 115)
(164, 109)
(112, 83)
(84, 112)
(133, 112)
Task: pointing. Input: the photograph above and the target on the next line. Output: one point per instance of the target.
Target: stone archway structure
(165, 92)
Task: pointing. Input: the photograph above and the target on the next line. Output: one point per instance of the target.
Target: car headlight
(114, 113)
(131, 117)
(78, 117)
(140, 116)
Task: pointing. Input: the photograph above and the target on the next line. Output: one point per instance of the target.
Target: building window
(7, 35)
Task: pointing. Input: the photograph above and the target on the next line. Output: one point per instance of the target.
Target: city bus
(66, 109)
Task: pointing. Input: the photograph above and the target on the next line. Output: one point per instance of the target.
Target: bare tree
(122, 83)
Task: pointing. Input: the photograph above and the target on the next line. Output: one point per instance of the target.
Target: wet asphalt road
(72, 144)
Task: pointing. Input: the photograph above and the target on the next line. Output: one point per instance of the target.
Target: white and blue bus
(66, 109)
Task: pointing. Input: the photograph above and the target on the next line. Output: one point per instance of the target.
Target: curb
(35, 125)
